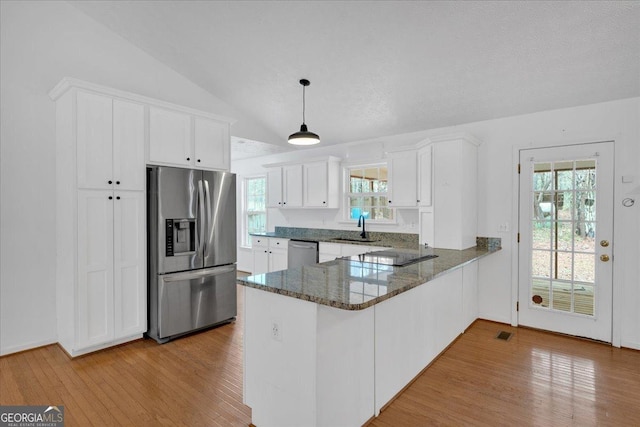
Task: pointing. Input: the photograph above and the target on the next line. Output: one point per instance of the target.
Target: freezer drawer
(196, 299)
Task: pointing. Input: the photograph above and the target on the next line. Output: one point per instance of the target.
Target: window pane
(583, 299)
(561, 296)
(541, 263)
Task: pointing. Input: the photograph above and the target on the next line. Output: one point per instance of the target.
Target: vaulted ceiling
(388, 67)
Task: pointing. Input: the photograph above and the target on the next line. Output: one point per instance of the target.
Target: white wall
(616, 120)
(42, 42)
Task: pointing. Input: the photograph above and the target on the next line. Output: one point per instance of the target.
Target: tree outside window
(255, 209)
(367, 193)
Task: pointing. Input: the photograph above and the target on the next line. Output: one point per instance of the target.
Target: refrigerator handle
(208, 208)
(201, 225)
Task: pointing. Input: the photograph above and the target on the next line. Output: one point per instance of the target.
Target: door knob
(604, 243)
(604, 257)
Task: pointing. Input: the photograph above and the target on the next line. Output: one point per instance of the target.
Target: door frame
(616, 308)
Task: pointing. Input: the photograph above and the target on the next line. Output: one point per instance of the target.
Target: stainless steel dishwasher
(301, 253)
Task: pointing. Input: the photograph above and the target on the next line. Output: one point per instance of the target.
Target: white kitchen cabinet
(111, 302)
(100, 217)
(169, 137)
(211, 144)
(269, 254)
(284, 187)
(403, 185)
(321, 184)
(425, 176)
(110, 143)
(274, 188)
(183, 139)
(292, 186)
(451, 221)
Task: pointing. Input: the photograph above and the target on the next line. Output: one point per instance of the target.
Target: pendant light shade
(304, 137)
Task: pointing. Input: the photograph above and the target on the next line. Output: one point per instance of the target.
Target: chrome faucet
(364, 233)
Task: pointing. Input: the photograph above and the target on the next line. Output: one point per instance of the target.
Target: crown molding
(68, 83)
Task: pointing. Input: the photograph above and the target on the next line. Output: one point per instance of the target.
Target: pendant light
(304, 137)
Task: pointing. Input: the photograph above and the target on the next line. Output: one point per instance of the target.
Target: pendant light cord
(303, 103)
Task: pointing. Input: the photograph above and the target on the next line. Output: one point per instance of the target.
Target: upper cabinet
(425, 176)
(110, 143)
(181, 139)
(403, 185)
(313, 184)
(451, 220)
(169, 137)
(211, 143)
(321, 184)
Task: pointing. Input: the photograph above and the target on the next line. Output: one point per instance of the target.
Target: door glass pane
(563, 237)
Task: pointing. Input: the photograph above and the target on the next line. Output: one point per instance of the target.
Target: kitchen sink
(354, 240)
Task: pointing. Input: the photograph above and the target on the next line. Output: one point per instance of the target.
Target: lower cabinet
(269, 254)
(103, 301)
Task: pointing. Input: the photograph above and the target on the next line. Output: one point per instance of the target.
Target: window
(255, 208)
(367, 193)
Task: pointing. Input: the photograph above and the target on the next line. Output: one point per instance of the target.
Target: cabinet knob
(418, 200)
(109, 182)
(265, 252)
(269, 251)
(118, 198)
(389, 201)
(110, 197)
(198, 160)
(284, 203)
(117, 182)
(324, 203)
(279, 203)
(188, 159)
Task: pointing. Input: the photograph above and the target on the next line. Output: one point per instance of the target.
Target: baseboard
(26, 347)
(630, 345)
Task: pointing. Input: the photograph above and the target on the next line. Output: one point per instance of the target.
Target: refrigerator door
(195, 300)
(176, 218)
(220, 237)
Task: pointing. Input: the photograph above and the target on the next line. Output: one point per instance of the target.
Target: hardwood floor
(535, 378)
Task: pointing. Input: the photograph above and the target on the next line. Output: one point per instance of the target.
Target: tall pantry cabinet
(100, 218)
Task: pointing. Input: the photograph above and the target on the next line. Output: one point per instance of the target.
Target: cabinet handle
(118, 198)
(110, 197)
(188, 159)
(198, 160)
(109, 182)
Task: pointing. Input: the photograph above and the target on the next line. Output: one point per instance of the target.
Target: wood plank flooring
(535, 378)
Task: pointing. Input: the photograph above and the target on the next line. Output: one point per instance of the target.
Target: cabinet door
(292, 186)
(211, 144)
(130, 283)
(278, 259)
(94, 141)
(260, 260)
(425, 177)
(169, 137)
(315, 184)
(403, 180)
(94, 289)
(274, 188)
(128, 146)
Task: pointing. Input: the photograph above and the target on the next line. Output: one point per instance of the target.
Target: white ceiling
(388, 67)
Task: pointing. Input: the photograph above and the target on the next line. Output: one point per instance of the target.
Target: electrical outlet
(276, 331)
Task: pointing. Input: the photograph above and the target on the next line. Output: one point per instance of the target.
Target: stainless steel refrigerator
(192, 250)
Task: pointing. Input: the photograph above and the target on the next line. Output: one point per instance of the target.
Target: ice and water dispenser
(180, 236)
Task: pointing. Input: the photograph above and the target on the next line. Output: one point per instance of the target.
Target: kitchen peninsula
(332, 343)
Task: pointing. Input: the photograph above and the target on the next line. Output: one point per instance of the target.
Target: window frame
(347, 194)
(245, 238)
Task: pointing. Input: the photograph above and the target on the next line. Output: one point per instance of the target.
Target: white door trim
(616, 321)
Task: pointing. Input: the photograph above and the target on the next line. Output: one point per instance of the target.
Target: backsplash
(403, 238)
